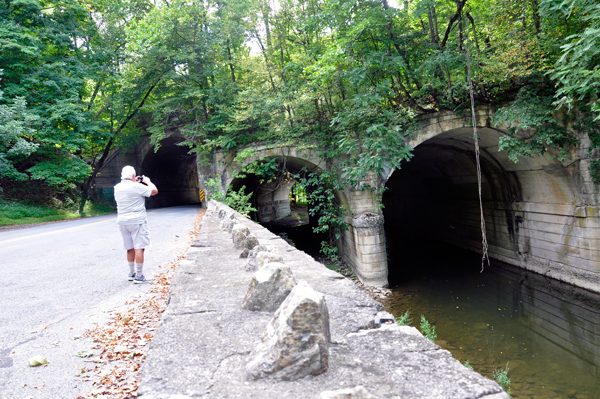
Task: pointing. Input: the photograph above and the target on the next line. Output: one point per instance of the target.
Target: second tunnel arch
(272, 198)
(527, 206)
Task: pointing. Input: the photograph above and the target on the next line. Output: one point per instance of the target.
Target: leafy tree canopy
(82, 79)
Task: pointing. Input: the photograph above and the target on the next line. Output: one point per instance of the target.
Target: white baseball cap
(127, 173)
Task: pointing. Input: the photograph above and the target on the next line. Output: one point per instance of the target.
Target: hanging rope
(476, 139)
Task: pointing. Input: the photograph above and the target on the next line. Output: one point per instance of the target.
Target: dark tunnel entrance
(431, 208)
(175, 174)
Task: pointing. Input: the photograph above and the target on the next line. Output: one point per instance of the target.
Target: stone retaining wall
(205, 337)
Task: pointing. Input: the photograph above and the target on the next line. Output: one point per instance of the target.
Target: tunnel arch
(527, 206)
(175, 173)
(271, 199)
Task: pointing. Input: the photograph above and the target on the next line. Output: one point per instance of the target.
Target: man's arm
(147, 181)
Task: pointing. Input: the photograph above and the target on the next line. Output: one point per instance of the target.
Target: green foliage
(16, 127)
(532, 127)
(213, 189)
(47, 59)
(348, 77)
(428, 330)
(13, 213)
(265, 169)
(372, 137)
(468, 365)
(577, 70)
(298, 194)
(501, 377)
(321, 189)
(240, 201)
(405, 319)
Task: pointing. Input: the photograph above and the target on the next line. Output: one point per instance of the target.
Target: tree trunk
(96, 168)
(231, 67)
(474, 32)
(459, 7)
(536, 16)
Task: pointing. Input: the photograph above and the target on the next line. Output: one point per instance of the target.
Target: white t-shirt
(131, 207)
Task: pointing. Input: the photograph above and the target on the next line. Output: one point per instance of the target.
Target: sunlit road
(56, 281)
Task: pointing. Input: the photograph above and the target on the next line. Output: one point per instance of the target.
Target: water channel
(547, 332)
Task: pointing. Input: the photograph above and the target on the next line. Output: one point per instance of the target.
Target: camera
(140, 179)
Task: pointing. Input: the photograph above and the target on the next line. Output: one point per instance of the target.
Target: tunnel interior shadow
(175, 174)
(431, 211)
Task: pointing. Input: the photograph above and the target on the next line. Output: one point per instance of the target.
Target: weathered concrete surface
(205, 337)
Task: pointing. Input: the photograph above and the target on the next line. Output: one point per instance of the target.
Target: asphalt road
(56, 281)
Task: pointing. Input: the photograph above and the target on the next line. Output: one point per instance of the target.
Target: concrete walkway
(204, 338)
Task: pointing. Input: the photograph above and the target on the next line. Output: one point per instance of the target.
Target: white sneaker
(142, 280)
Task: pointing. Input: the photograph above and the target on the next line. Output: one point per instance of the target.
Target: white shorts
(135, 235)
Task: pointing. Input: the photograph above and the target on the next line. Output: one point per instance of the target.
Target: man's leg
(139, 255)
(139, 262)
(141, 241)
(131, 263)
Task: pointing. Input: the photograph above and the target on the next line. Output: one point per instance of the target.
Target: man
(130, 195)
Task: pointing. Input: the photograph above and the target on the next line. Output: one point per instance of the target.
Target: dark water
(547, 331)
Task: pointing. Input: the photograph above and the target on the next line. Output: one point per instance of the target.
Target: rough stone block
(270, 285)
(249, 242)
(251, 264)
(256, 250)
(358, 392)
(229, 222)
(238, 234)
(245, 253)
(263, 258)
(296, 343)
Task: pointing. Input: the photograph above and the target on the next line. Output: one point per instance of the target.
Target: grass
(13, 213)
(501, 377)
(404, 320)
(428, 330)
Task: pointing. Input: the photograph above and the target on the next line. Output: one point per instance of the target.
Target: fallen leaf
(120, 349)
(37, 361)
(85, 354)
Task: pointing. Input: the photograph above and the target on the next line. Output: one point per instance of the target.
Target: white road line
(54, 231)
(61, 230)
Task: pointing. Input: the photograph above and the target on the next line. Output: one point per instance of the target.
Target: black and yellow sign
(201, 195)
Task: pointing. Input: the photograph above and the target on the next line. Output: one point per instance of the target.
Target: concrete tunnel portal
(272, 198)
(174, 172)
(434, 199)
(277, 212)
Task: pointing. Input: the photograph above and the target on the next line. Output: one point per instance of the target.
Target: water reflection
(546, 331)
